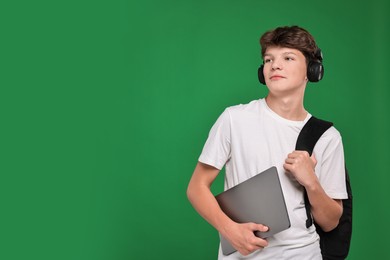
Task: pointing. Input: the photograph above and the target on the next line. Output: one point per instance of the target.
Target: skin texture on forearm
(240, 235)
(326, 211)
(201, 198)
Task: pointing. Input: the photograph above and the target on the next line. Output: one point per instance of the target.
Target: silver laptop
(260, 200)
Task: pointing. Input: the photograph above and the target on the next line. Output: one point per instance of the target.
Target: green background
(105, 107)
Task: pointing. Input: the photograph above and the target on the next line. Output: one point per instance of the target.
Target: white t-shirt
(250, 138)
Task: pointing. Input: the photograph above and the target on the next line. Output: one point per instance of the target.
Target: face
(284, 70)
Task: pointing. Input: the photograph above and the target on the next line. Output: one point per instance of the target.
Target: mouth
(276, 77)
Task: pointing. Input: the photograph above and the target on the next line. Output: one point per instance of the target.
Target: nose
(276, 66)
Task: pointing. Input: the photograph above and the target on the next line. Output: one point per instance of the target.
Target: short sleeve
(216, 151)
(332, 177)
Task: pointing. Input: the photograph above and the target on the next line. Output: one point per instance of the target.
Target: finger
(258, 227)
(305, 153)
(253, 226)
(290, 160)
(287, 167)
(262, 228)
(291, 155)
(262, 243)
(299, 153)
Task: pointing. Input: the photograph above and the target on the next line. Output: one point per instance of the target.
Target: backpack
(334, 244)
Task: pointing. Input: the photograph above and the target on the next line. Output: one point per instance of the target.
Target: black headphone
(315, 69)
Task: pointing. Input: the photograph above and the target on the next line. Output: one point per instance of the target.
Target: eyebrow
(284, 53)
(290, 52)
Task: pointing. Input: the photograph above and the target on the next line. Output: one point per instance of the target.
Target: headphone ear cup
(315, 71)
(260, 74)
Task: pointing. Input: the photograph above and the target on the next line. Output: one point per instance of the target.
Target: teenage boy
(247, 139)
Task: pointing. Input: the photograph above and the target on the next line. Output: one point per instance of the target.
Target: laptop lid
(260, 200)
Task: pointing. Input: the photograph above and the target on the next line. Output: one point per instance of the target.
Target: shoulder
(249, 108)
(331, 134)
(330, 141)
(241, 114)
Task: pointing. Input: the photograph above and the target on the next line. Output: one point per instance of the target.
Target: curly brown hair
(293, 37)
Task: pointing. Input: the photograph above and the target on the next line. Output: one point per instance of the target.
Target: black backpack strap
(311, 133)
(307, 139)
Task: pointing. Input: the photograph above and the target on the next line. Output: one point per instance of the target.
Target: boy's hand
(301, 166)
(242, 237)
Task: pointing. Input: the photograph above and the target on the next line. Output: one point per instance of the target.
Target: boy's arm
(241, 236)
(326, 211)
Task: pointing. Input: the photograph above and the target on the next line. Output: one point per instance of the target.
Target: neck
(289, 108)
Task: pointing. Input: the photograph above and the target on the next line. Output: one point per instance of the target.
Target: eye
(288, 58)
(267, 60)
